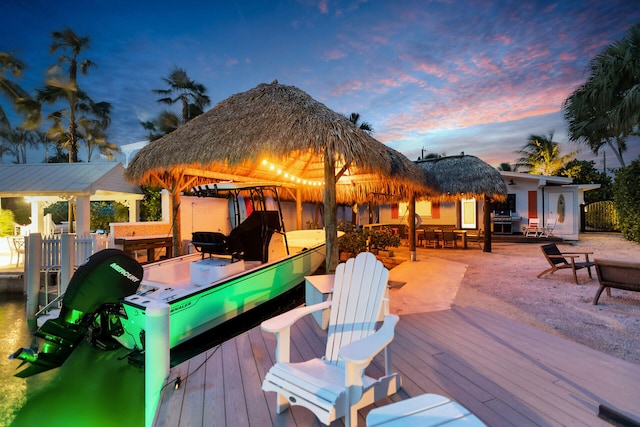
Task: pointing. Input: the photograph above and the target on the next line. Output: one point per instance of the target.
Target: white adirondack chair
(533, 229)
(336, 386)
(548, 229)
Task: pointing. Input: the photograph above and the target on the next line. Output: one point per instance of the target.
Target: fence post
(582, 219)
(33, 261)
(67, 259)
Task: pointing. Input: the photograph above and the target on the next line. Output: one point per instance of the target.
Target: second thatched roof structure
(464, 176)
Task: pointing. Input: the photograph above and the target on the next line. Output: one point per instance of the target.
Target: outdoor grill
(502, 222)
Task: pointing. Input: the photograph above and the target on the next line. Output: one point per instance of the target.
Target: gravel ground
(504, 282)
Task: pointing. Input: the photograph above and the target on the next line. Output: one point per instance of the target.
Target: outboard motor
(105, 279)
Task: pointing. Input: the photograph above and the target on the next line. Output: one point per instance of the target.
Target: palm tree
(185, 91)
(93, 133)
(93, 129)
(606, 109)
(506, 167)
(58, 88)
(541, 155)
(18, 140)
(8, 87)
(365, 126)
(165, 123)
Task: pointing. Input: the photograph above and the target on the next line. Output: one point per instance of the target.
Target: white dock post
(67, 259)
(33, 262)
(156, 357)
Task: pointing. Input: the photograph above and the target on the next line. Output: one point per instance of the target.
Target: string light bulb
(273, 167)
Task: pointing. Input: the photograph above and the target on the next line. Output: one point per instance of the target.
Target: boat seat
(210, 242)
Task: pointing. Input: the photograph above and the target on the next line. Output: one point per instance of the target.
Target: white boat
(205, 292)
(108, 296)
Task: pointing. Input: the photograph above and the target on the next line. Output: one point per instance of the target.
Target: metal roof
(101, 181)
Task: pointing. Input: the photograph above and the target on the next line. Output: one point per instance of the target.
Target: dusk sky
(447, 76)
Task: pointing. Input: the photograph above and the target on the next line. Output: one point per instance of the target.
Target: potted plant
(382, 240)
(352, 242)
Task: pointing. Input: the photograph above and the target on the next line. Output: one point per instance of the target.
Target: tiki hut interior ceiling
(275, 132)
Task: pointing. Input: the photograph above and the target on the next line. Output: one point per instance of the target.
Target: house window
(469, 216)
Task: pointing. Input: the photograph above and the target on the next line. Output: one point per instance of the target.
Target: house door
(561, 207)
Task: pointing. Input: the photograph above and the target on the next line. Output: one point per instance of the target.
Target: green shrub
(626, 193)
(383, 238)
(353, 240)
(151, 205)
(7, 222)
(357, 239)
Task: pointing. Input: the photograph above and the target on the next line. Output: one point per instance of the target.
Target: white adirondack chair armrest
(363, 351)
(285, 320)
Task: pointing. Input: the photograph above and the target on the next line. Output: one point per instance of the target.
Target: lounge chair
(547, 230)
(335, 385)
(533, 228)
(617, 274)
(559, 260)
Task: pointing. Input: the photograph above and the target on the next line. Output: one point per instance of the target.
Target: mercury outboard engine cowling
(105, 279)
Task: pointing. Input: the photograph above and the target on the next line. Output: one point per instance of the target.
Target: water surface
(92, 388)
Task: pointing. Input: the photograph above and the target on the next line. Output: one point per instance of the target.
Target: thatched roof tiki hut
(275, 132)
(467, 177)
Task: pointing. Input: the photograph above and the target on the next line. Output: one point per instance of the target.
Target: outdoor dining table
(462, 234)
(131, 244)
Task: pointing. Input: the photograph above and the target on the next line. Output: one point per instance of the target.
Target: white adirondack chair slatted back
(358, 292)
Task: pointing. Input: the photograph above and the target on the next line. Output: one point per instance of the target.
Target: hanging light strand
(286, 175)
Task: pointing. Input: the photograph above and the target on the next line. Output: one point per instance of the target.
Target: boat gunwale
(225, 281)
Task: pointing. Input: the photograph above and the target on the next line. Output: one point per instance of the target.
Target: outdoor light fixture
(511, 182)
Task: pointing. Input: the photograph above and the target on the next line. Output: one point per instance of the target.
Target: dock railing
(57, 256)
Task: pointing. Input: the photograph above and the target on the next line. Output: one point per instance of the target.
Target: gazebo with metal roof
(79, 183)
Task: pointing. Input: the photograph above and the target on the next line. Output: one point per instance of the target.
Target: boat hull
(194, 312)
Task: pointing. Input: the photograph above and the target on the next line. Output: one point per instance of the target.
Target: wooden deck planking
(570, 394)
(506, 373)
(557, 354)
(214, 388)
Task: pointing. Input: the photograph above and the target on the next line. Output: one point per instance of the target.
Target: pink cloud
(323, 6)
(334, 54)
(567, 56)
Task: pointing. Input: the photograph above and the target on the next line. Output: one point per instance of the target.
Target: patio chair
(336, 385)
(560, 260)
(449, 239)
(16, 248)
(431, 239)
(477, 237)
(533, 228)
(547, 230)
